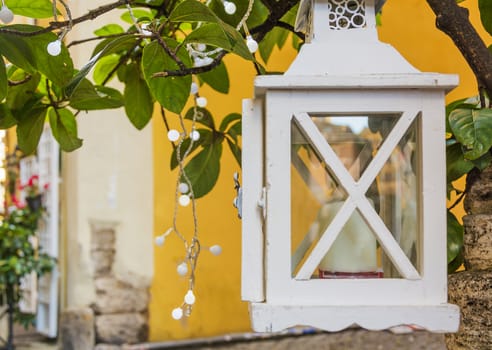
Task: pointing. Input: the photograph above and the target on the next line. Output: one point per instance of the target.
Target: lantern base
(443, 318)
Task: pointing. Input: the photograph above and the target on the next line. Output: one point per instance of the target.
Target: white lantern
(344, 218)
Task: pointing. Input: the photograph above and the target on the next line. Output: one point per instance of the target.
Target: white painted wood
(48, 233)
(433, 210)
(28, 167)
(337, 81)
(348, 72)
(252, 275)
(439, 318)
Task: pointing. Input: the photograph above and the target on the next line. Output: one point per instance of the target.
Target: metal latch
(238, 201)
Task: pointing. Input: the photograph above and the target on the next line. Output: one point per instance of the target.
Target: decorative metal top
(342, 14)
(342, 39)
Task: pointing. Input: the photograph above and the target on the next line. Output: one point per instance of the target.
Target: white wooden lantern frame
(381, 84)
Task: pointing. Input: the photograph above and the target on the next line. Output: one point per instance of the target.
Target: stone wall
(119, 314)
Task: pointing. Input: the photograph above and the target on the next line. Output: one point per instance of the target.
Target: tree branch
(453, 20)
(91, 15)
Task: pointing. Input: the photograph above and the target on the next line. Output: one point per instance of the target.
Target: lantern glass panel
(317, 195)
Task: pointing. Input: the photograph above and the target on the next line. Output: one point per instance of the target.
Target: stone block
(103, 239)
(129, 328)
(77, 329)
(478, 199)
(114, 296)
(102, 262)
(478, 242)
(472, 292)
(107, 347)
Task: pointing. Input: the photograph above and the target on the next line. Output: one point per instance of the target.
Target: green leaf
(171, 92)
(205, 139)
(109, 46)
(137, 13)
(483, 162)
(203, 169)
(16, 50)
(204, 116)
(104, 68)
(472, 128)
(192, 11)
(3, 80)
(457, 165)
(7, 120)
(485, 7)
(31, 8)
(217, 78)
(139, 105)
(220, 35)
(29, 129)
(89, 97)
(275, 38)
(18, 95)
(455, 237)
(227, 120)
(109, 29)
(235, 131)
(64, 128)
(58, 69)
(236, 151)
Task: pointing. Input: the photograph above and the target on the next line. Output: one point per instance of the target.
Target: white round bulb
(173, 135)
(190, 298)
(177, 313)
(183, 187)
(159, 240)
(54, 48)
(193, 88)
(6, 15)
(215, 249)
(207, 60)
(182, 269)
(201, 102)
(251, 44)
(195, 135)
(229, 7)
(184, 200)
(198, 62)
(200, 47)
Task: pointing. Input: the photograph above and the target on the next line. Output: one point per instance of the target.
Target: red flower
(33, 180)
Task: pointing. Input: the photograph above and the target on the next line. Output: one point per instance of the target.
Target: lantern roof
(342, 50)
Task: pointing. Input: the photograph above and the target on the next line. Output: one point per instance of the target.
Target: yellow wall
(409, 26)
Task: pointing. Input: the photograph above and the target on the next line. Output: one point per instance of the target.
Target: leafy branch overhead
(159, 47)
(153, 51)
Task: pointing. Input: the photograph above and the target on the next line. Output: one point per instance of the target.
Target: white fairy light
(173, 135)
(190, 298)
(195, 135)
(6, 14)
(251, 44)
(182, 269)
(200, 47)
(183, 187)
(194, 88)
(159, 240)
(54, 47)
(177, 313)
(229, 7)
(215, 249)
(201, 102)
(207, 60)
(184, 200)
